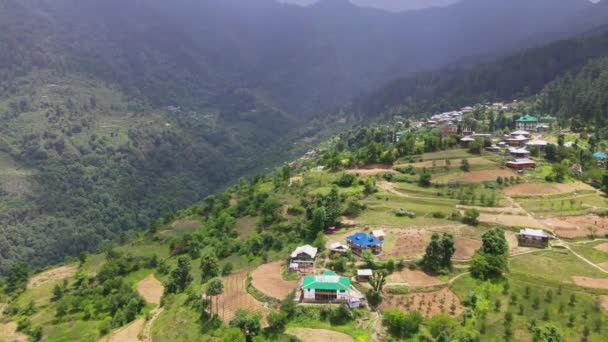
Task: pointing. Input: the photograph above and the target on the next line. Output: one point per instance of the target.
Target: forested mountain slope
(522, 74)
(115, 112)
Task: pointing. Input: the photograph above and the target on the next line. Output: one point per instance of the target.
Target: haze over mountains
(115, 112)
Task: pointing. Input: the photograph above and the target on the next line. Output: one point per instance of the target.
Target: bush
(400, 324)
(405, 213)
(388, 176)
(471, 217)
(439, 215)
(346, 180)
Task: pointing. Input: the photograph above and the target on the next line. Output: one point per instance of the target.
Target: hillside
(523, 74)
(429, 196)
(113, 118)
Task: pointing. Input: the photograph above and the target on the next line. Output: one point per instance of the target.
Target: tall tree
(180, 276)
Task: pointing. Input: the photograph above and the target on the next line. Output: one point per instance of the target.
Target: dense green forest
(520, 75)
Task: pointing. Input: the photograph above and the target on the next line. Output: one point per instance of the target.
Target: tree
(548, 333)
(400, 324)
(210, 267)
(17, 277)
(249, 323)
(215, 287)
(560, 171)
(424, 179)
(374, 295)
(438, 253)
(442, 325)
(471, 217)
(317, 223)
(491, 260)
(465, 166)
(180, 276)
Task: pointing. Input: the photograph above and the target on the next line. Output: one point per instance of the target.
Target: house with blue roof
(360, 241)
(600, 155)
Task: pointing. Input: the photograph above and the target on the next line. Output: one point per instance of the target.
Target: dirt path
(9, 333)
(147, 330)
(314, 335)
(567, 246)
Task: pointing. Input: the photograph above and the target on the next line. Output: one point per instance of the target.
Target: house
(493, 148)
(449, 130)
(328, 287)
(338, 247)
(520, 132)
(304, 257)
(517, 141)
(378, 234)
(541, 144)
(527, 122)
(519, 152)
(361, 241)
(600, 155)
(570, 144)
(364, 275)
(533, 238)
(521, 164)
(466, 140)
(540, 128)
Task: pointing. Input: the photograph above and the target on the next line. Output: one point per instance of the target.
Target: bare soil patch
(413, 278)
(245, 226)
(235, 297)
(604, 266)
(295, 179)
(603, 247)
(9, 333)
(441, 163)
(511, 220)
(129, 333)
(371, 170)
(540, 189)
(577, 226)
(465, 247)
(314, 335)
(604, 302)
(53, 275)
(593, 283)
(427, 304)
(268, 279)
(151, 289)
(484, 175)
(409, 243)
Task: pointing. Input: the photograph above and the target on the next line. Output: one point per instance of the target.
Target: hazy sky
(393, 5)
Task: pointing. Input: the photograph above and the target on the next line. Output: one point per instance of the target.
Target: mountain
(116, 112)
(519, 75)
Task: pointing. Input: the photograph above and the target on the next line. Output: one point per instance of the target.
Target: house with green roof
(328, 287)
(526, 122)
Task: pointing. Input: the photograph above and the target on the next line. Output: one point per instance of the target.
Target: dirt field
(129, 333)
(408, 243)
(9, 333)
(465, 247)
(604, 266)
(413, 278)
(454, 165)
(267, 278)
(538, 189)
(593, 283)
(151, 289)
(484, 176)
(577, 226)
(235, 297)
(314, 335)
(603, 247)
(427, 304)
(511, 220)
(604, 302)
(53, 275)
(371, 170)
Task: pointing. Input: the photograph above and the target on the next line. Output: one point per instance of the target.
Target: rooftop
(364, 240)
(534, 232)
(308, 249)
(365, 272)
(600, 155)
(327, 281)
(528, 118)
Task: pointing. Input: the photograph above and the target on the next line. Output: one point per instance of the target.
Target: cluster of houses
(330, 287)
